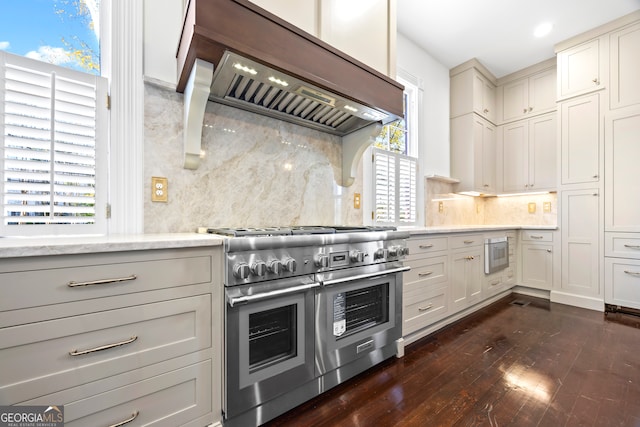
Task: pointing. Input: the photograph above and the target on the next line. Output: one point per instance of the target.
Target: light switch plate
(532, 208)
(356, 200)
(546, 207)
(159, 189)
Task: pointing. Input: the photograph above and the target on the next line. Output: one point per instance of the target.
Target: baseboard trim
(581, 301)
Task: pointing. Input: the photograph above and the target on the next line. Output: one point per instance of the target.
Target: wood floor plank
(542, 364)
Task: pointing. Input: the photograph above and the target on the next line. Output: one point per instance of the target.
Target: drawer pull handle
(425, 308)
(632, 246)
(469, 258)
(536, 237)
(497, 282)
(425, 274)
(468, 242)
(430, 245)
(103, 347)
(634, 273)
(103, 281)
(127, 421)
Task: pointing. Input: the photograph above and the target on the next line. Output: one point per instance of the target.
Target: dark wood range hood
(324, 84)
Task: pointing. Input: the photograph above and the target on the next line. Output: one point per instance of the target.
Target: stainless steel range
(306, 309)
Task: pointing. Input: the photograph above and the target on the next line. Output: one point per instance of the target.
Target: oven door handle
(366, 276)
(244, 299)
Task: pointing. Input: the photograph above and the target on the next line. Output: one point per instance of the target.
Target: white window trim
(123, 64)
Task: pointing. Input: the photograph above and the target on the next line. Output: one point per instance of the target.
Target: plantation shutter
(54, 149)
(395, 188)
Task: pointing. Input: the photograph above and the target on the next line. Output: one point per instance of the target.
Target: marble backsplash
(256, 171)
(465, 210)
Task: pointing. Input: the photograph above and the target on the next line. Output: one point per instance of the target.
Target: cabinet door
(625, 67)
(622, 186)
(515, 156)
(515, 100)
(542, 92)
(537, 266)
(580, 242)
(622, 282)
(542, 153)
(484, 97)
(364, 30)
(485, 133)
(580, 140)
(466, 278)
(579, 69)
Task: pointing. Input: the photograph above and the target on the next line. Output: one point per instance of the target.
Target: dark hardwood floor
(538, 364)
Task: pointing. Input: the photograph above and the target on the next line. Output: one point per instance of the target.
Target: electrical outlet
(159, 189)
(546, 207)
(440, 207)
(532, 208)
(356, 200)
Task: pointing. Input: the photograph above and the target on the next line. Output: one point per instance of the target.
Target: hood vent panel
(246, 84)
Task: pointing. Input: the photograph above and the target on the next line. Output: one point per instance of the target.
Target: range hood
(238, 54)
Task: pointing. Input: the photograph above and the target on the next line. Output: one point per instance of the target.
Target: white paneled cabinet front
(467, 270)
(622, 186)
(528, 155)
(580, 228)
(580, 136)
(622, 282)
(472, 92)
(529, 96)
(473, 153)
(625, 67)
(581, 69)
(114, 334)
(536, 259)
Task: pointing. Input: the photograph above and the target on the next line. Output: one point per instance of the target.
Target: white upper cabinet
(301, 13)
(581, 69)
(580, 139)
(528, 154)
(529, 96)
(472, 91)
(625, 67)
(473, 154)
(364, 29)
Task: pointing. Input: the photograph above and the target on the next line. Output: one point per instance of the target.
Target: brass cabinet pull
(430, 245)
(127, 421)
(425, 308)
(634, 273)
(632, 246)
(425, 274)
(469, 258)
(103, 281)
(103, 347)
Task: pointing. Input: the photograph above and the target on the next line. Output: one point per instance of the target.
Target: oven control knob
(381, 253)
(290, 265)
(405, 250)
(259, 268)
(241, 270)
(356, 256)
(275, 266)
(395, 251)
(322, 260)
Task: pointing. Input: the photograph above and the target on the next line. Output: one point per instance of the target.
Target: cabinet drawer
(421, 308)
(426, 272)
(622, 282)
(172, 398)
(536, 236)
(622, 245)
(82, 277)
(422, 246)
(467, 241)
(62, 353)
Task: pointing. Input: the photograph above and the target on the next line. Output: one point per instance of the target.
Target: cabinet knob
(530, 109)
(549, 250)
(486, 110)
(524, 110)
(595, 176)
(596, 81)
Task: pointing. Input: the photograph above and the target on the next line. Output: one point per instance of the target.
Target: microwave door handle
(270, 294)
(366, 276)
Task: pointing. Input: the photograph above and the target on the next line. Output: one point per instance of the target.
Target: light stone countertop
(65, 245)
(472, 228)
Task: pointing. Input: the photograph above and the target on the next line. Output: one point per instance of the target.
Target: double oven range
(306, 309)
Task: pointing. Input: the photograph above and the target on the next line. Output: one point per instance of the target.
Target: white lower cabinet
(114, 336)
(467, 271)
(536, 259)
(622, 282)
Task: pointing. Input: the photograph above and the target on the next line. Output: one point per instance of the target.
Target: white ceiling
(499, 33)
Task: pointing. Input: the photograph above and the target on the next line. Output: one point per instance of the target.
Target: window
(54, 148)
(394, 167)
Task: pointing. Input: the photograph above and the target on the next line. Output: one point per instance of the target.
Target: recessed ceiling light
(543, 29)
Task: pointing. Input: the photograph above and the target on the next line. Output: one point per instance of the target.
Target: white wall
(433, 79)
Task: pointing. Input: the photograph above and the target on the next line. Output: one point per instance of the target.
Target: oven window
(366, 308)
(272, 336)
